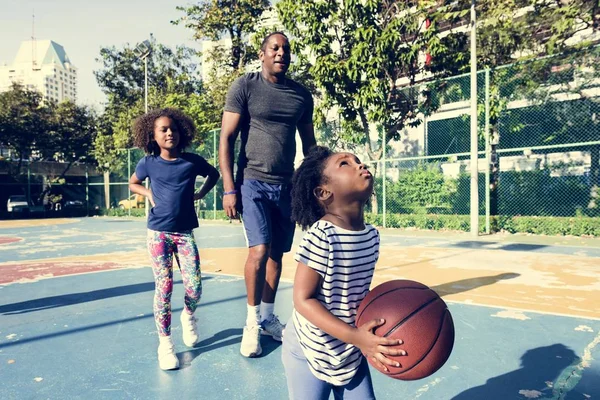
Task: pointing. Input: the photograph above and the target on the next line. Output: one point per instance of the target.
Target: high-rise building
(42, 65)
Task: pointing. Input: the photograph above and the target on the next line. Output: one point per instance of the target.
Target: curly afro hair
(306, 208)
(143, 129)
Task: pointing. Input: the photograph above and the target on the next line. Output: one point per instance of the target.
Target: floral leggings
(162, 246)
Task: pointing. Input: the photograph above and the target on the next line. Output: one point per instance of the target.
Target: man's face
(276, 56)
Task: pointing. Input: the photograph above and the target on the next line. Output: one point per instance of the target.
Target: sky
(82, 27)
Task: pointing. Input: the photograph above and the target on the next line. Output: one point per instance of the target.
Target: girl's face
(166, 134)
(347, 178)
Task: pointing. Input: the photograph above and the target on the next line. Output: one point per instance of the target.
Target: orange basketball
(417, 315)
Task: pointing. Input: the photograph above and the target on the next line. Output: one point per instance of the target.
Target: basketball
(419, 317)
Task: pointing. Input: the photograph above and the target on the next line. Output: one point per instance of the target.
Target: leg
(160, 247)
(301, 383)
(189, 265)
(257, 227)
(283, 235)
(254, 272)
(272, 276)
(359, 388)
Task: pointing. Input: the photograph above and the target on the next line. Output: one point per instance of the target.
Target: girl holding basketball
(322, 348)
(164, 134)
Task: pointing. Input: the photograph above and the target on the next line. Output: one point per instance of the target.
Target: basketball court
(76, 315)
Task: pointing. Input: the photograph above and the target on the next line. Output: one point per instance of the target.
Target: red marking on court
(24, 272)
(8, 239)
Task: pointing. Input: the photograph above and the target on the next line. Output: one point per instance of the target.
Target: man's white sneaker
(189, 329)
(166, 354)
(273, 327)
(251, 341)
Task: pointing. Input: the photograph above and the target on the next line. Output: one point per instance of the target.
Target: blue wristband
(230, 192)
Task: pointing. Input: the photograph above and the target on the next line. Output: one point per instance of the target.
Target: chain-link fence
(538, 158)
(539, 150)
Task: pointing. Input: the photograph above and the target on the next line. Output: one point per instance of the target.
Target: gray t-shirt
(270, 114)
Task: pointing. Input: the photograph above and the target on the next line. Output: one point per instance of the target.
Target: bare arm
(136, 186)
(306, 286)
(307, 136)
(209, 183)
(229, 132)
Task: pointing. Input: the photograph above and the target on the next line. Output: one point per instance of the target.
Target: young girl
(336, 259)
(164, 134)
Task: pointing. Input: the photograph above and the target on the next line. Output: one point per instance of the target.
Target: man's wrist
(230, 192)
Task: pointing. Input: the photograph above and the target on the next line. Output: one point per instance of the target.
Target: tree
(24, 124)
(364, 57)
(173, 80)
(121, 76)
(70, 138)
(216, 19)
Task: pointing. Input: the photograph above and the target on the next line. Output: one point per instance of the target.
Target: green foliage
(25, 123)
(173, 81)
(356, 53)
(120, 212)
(215, 19)
(38, 130)
(419, 190)
(575, 226)
(121, 76)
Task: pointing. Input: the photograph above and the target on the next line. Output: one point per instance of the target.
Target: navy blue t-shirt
(172, 184)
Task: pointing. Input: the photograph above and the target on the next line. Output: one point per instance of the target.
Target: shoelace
(191, 325)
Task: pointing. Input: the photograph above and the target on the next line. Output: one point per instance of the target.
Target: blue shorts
(304, 385)
(266, 214)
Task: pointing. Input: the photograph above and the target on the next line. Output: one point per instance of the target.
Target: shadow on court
(468, 244)
(224, 338)
(70, 299)
(544, 373)
(465, 285)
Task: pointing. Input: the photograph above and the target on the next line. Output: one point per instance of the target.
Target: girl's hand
(375, 347)
(151, 199)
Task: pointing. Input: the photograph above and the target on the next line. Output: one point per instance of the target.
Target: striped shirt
(346, 261)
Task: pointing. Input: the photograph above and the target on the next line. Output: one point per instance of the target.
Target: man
(267, 108)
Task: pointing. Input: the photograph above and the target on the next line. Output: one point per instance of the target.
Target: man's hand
(230, 205)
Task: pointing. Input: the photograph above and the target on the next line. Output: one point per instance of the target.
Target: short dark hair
(143, 129)
(306, 208)
(263, 45)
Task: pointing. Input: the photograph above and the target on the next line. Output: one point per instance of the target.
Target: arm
(229, 132)
(209, 183)
(136, 186)
(307, 136)
(306, 286)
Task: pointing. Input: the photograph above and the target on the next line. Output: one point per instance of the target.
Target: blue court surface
(76, 319)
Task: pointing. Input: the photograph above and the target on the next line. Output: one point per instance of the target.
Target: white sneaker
(189, 329)
(166, 354)
(251, 341)
(273, 327)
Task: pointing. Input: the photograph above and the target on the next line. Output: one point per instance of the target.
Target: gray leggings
(303, 385)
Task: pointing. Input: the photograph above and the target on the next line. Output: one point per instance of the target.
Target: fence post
(474, 136)
(28, 181)
(384, 197)
(487, 151)
(215, 165)
(128, 189)
(87, 192)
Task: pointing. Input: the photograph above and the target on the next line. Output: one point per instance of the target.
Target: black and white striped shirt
(346, 261)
